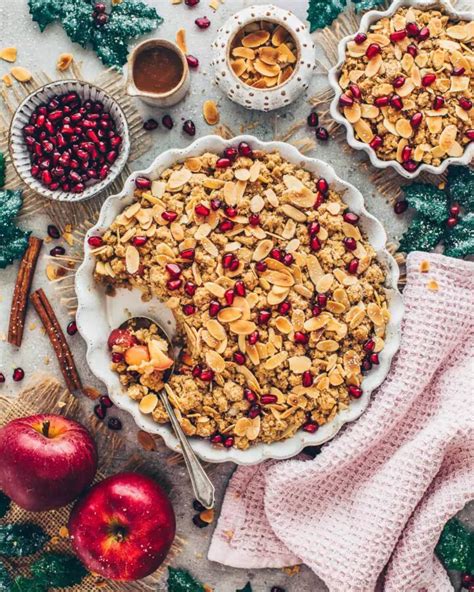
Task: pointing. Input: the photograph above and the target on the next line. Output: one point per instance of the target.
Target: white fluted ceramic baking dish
(367, 20)
(98, 314)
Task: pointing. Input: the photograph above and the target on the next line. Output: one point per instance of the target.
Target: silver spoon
(203, 488)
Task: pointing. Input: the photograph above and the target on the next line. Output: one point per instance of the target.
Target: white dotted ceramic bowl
(367, 20)
(98, 313)
(21, 157)
(269, 98)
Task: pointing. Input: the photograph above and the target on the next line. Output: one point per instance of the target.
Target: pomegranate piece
(315, 243)
(455, 209)
(231, 153)
(95, 241)
(311, 427)
(2, 377)
(239, 358)
(355, 91)
(253, 338)
(322, 185)
(143, 183)
(139, 241)
(423, 34)
(174, 270)
(374, 358)
(114, 423)
(276, 254)
(231, 212)
(229, 442)
(249, 395)
(382, 101)
(416, 120)
(355, 391)
(215, 204)
(369, 345)
(397, 36)
(189, 309)
(438, 102)
(412, 50)
(316, 311)
(351, 218)
(284, 307)
(322, 134)
(56, 251)
(189, 127)
(261, 266)
(373, 50)
(191, 3)
(190, 288)
(301, 337)
(350, 244)
(207, 375)
(470, 134)
(216, 439)
(353, 266)
(360, 38)
(117, 357)
(226, 226)
(345, 100)
(193, 62)
(288, 259)
(268, 399)
(451, 222)
(53, 231)
(227, 260)
(412, 29)
(254, 220)
(100, 411)
(322, 300)
(465, 103)
(169, 216)
(458, 71)
(376, 142)
(167, 121)
(203, 22)
(245, 149)
(187, 254)
(396, 102)
(410, 165)
(313, 119)
(214, 308)
(150, 124)
(239, 288)
(229, 296)
(400, 206)
(307, 378)
(202, 210)
(263, 317)
(428, 79)
(406, 153)
(122, 338)
(313, 228)
(71, 328)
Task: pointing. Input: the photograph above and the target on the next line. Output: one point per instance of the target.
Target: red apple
(46, 461)
(123, 528)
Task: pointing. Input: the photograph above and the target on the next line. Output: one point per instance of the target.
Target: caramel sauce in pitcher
(157, 70)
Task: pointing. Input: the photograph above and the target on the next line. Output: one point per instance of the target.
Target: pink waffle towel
(368, 511)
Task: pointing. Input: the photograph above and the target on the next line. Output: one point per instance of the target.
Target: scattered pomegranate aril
(71, 328)
(350, 243)
(214, 308)
(315, 243)
(245, 149)
(190, 288)
(369, 345)
(322, 134)
(53, 231)
(375, 142)
(189, 309)
(373, 50)
(396, 102)
(465, 103)
(382, 101)
(18, 374)
(196, 371)
(191, 3)
(345, 100)
(239, 358)
(226, 226)
(455, 209)
(458, 71)
(355, 91)
(268, 399)
(215, 204)
(229, 296)
(56, 251)
(313, 119)
(253, 338)
(174, 284)
(424, 34)
(374, 358)
(231, 153)
(322, 185)
(412, 50)
(229, 442)
(416, 120)
(307, 378)
(366, 365)
(301, 337)
(410, 166)
(106, 401)
(397, 36)
(95, 241)
(239, 288)
(353, 266)
(263, 317)
(451, 222)
(313, 228)
(261, 266)
(470, 134)
(202, 210)
(2, 378)
(234, 265)
(438, 102)
(139, 241)
(193, 62)
(284, 307)
(400, 206)
(187, 254)
(316, 311)
(311, 427)
(174, 270)
(360, 38)
(276, 254)
(351, 218)
(142, 183)
(202, 22)
(230, 211)
(249, 395)
(115, 424)
(412, 29)
(254, 220)
(189, 127)
(254, 411)
(216, 439)
(167, 121)
(428, 79)
(406, 153)
(117, 357)
(150, 124)
(322, 300)
(355, 391)
(100, 411)
(227, 260)
(169, 216)
(288, 259)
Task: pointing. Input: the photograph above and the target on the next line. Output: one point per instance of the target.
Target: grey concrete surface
(40, 51)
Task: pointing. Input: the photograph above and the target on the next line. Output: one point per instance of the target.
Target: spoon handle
(203, 488)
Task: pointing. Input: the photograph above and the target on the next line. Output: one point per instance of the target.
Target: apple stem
(45, 429)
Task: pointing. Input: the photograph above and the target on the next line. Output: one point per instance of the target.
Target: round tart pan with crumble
(273, 276)
(404, 87)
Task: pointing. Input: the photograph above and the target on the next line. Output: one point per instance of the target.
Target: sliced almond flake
(293, 245)
(355, 75)
(210, 247)
(215, 361)
(364, 131)
(271, 197)
(322, 382)
(314, 268)
(299, 364)
(351, 362)
(263, 249)
(353, 113)
(148, 403)
(456, 150)
(436, 112)
(240, 190)
(276, 360)
(238, 66)
(283, 325)
(351, 231)
(449, 45)
(335, 378)
(357, 319)
(421, 60)
(210, 112)
(333, 207)
(242, 174)
(373, 66)
(315, 323)
(462, 114)
(243, 305)
(458, 32)
(327, 345)
(243, 52)
(252, 353)
(404, 128)
(303, 291)
(215, 289)
(378, 38)
(196, 274)
(379, 344)
(357, 50)
(132, 210)
(438, 57)
(269, 55)
(434, 124)
(241, 327)
(285, 55)
(279, 35)
(369, 111)
(459, 84)
(407, 88)
(242, 425)
(267, 70)
(179, 177)
(273, 298)
(293, 213)
(222, 347)
(324, 283)
(132, 259)
(407, 63)
(335, 307)
(289, 230)
(209, 339)
(257, 204)
(202, 231)
(374, 312)
(292, 183)
(254, 430)
(448, 137)
(304, 199)
(229, 314)
(278, 278)
(256, 39)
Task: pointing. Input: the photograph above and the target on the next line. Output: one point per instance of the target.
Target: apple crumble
(277, 293)
(408, 87)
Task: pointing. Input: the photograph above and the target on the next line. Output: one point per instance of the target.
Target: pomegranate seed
(216, 439)
(2, 377)
(187, 254)
(400, 206)
(253, 338)
(191, 2)
(196, 372)
(307, 378)
(382, 101)
(288, 259)
(227, 260)
(268, 399)
(376, 142)
(223, 163)
(366, 365)
(261, 266)
(167, 121)
(314, 228)
(234, 265)
(18, 374)
(245, 149)
(374, 358)
(406, 153)
(451, 222)
(174, 270)
(240, 288)
(322, 300)
(350, 244)
(169, 216)
(139, 241)
(345, 100)
(150, 124)
(207, 375)
(202, 22)
(301, 337)
(263, 317)
(202, 210)
(174, 284)
(459, 71)
(316, 311)
(190, 288)
(315, 243)
(239, 358)
(352, 266)
(410, 166)
(229, 441)
(231, 212)
(249, 395)
(319, 200)
(465, 103)
(311, 427)
(369, 345)
(189, 309)
(412, 30)
(412, 50)
(106, 401)
(355, 90)
(71, 328)
(254, 220)
(416, 120)
(231, 153)
(438, 102)
(100, 411)
(276, 254)
(373, 50)
(53, 231)
(322, 185)
(423, 34)
(351, 218)
(360, 38)
(398, 35)
(313, 119)
(396, 102)
(229, 296)
(355, 391)
(254, 411)
(95, 241)
(57, 251)
(142, 183)
(322, 134)
(189, 127)
(226, 226)
(193, 62)
(117, 357)
(46, 178)
(215, 204)
(455, 209)
(428, 79)
(470, 134)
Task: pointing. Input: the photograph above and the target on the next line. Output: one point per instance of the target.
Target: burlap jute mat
(47, 395)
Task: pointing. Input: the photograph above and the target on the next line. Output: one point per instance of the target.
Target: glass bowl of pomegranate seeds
(274, 278)
(69, 140)
(404, 87)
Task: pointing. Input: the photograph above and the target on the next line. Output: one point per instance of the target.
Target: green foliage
(20, 540)
(429, 201)
(180, 580)
(22, 584)
(455, 547)
(321, 13)
(246, 588)
(361, 5)
(13, 240)
(5, 579)
(461, 186)
(58, 570)
(460, 241)
(2, 170)
(127, 20)
(4, 504)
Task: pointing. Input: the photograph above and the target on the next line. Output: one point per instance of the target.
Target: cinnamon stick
(22, 290)
(58, 341)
